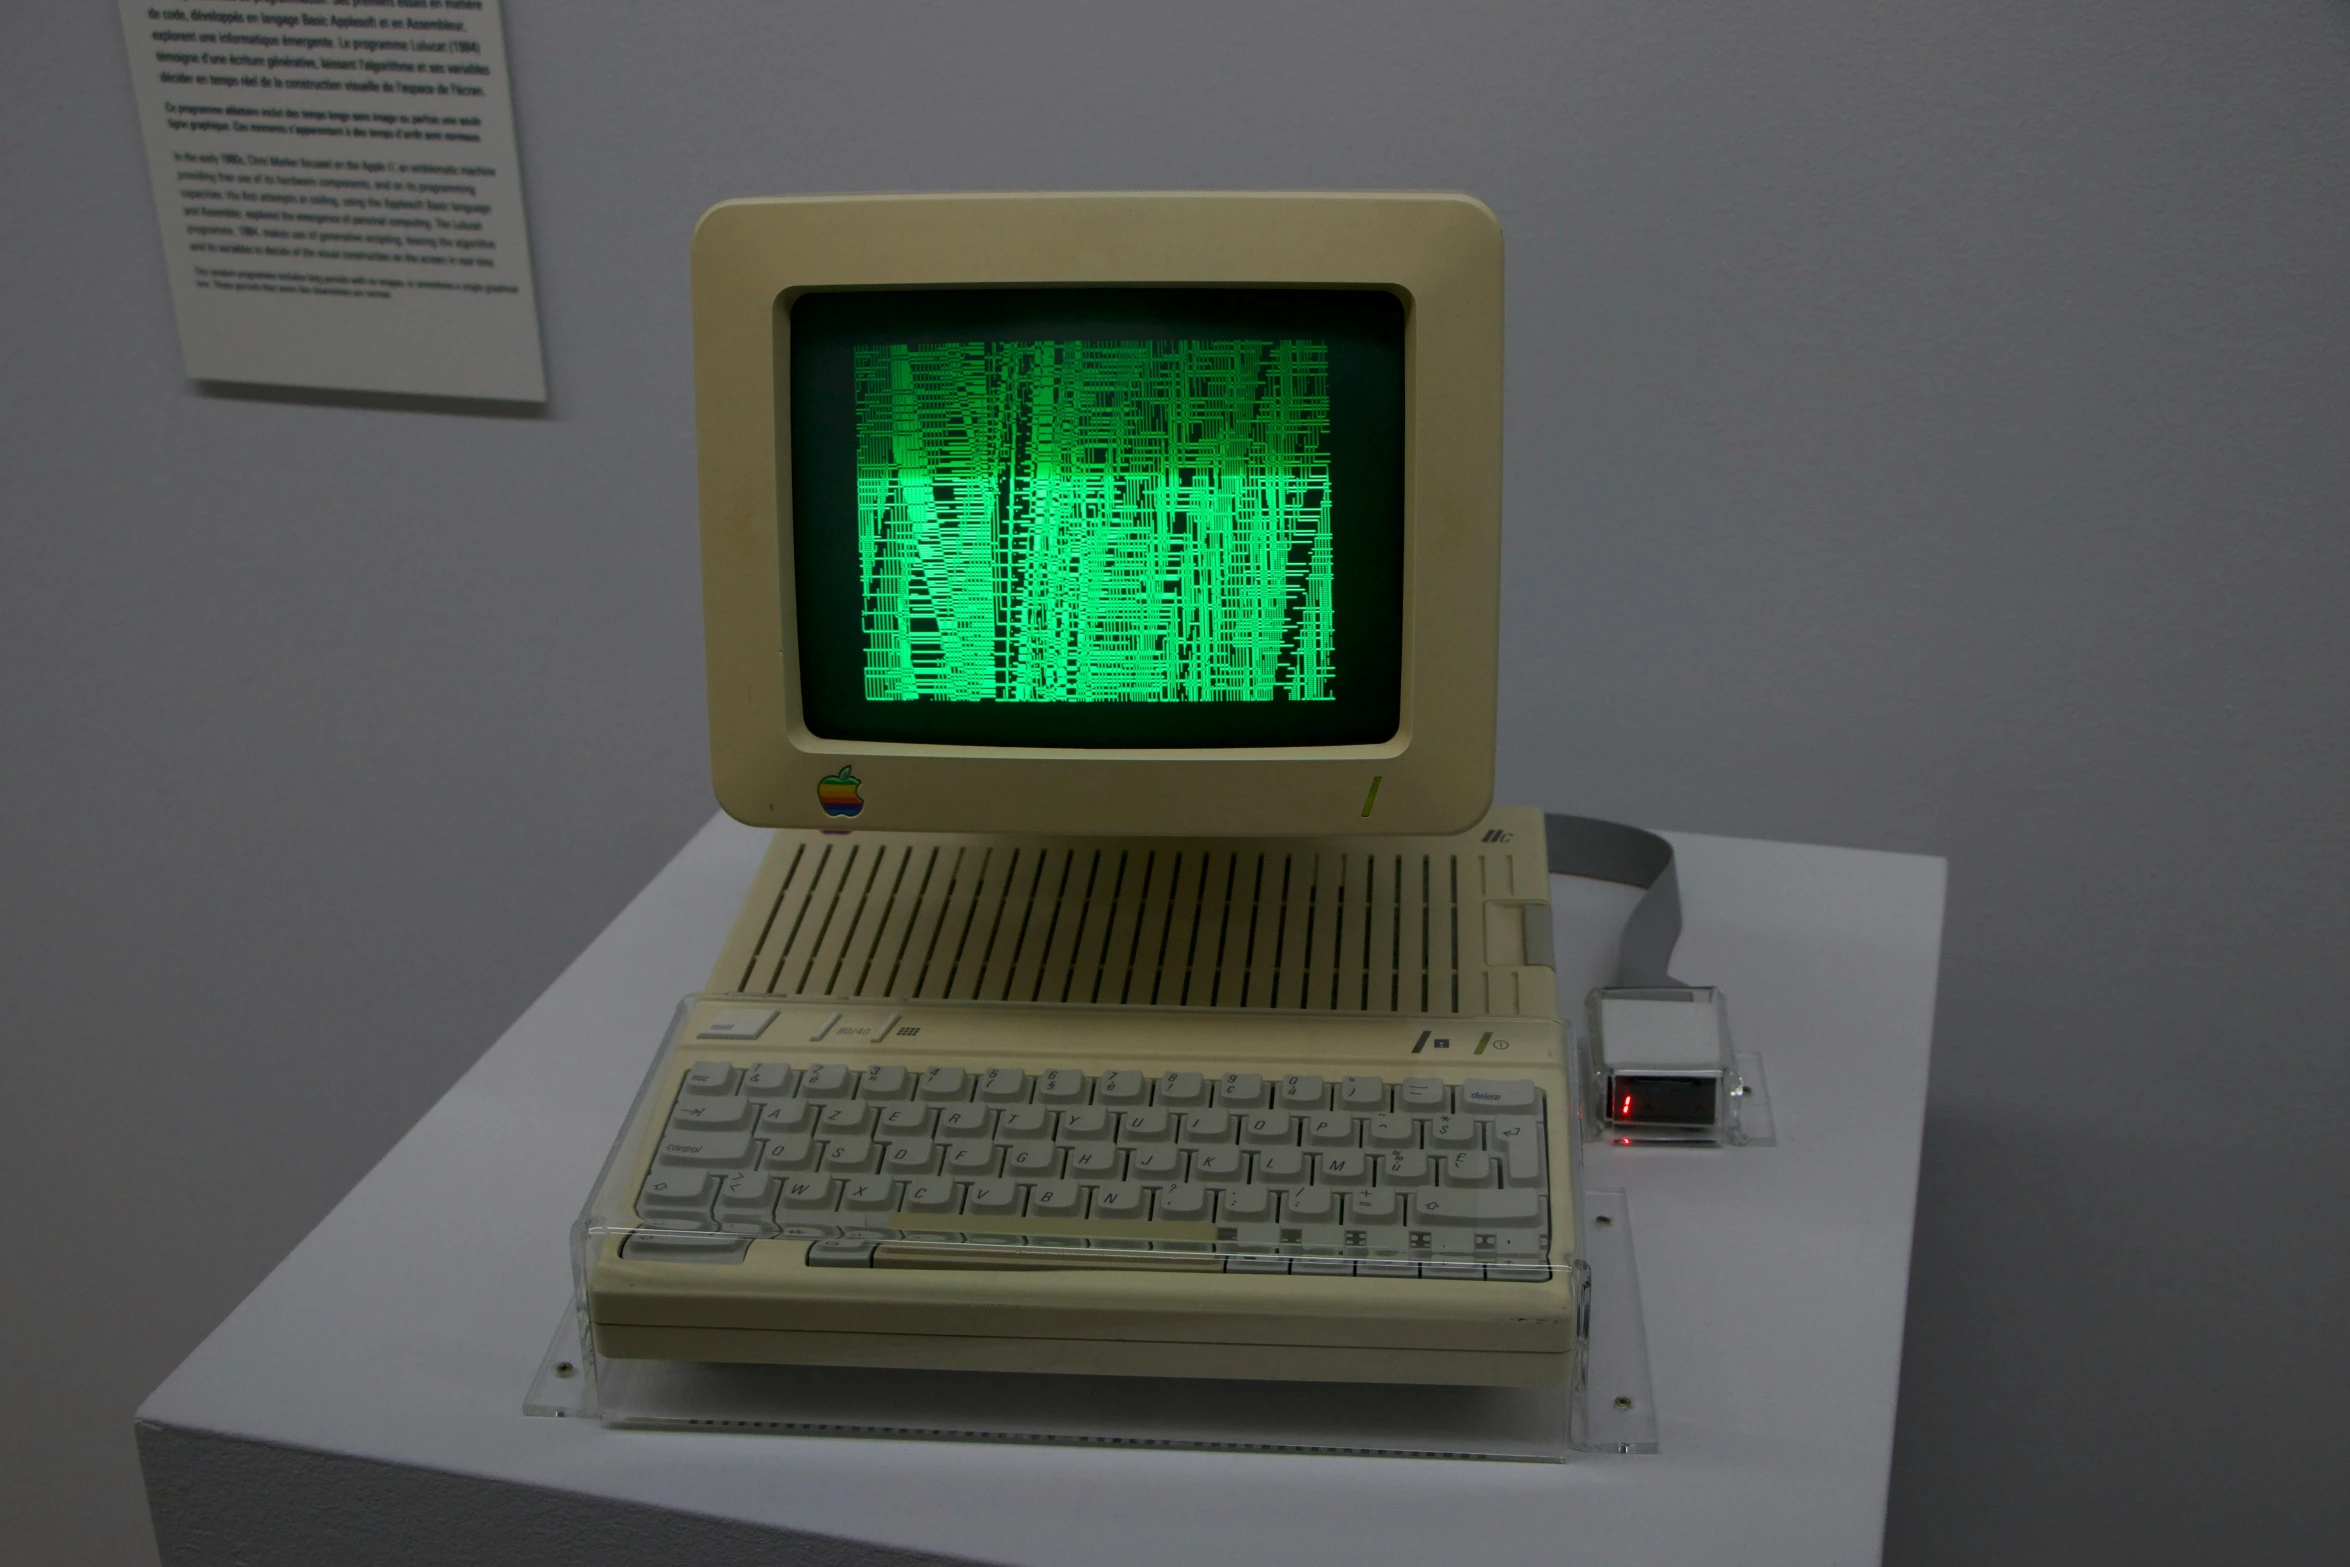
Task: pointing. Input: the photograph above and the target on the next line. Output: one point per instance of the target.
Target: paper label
(339, 194)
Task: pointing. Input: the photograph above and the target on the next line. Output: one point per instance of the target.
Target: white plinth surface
(405, 1329)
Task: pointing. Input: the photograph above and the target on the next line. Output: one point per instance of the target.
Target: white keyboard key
(1446, 1268)
(1375, 1209)
(1156, 1166)
(738, 1023)
(807, 1194)
(935, 1195)
(1120, 1200)
(945, 1084)
(1307, 1091)
(709, 1077)
(973, 1161)
(677, 1195)
(1056, 1200)
(966, 1121)
(869, 1194)
(1520, 1142)
(724, 1113)
(1524, 1272)
(1351, 1168)
(1407, 1169)
(1310, 1205)
(1209, 1128)
(1330, 1131)
(1268, 1129)
(1121, 1088)
(1242, 1091)
(785, 1116)
(827, 1082)
(1093, 1124)
(1327, 1265)
(1245, 1205)
(847, 1120)
(1004, 1085)
(852, 1156)
(653, 1246)
(1391, 1131)
(1219, 1167)
(706, 1150)
(789, 1155)
(1062, 1086)
(1363, 1095)
(1187, 1203)
(1385, 1268)
(1470, 1170)
(1033, 1161)
(908, 1121)
(1499, 1096)
(1452, 1131)
(770, 1080)
(1281, 1167)
(914, 1156)
(1183, 1090)
(885, 1084)
(748, 1200)
(1024, 1124)
(993, 1199)
(1138, 1128)
(1094, 1164)
(1423, 1096)
(1476, 1210)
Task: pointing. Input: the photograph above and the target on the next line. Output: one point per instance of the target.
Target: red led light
(1658, 1099)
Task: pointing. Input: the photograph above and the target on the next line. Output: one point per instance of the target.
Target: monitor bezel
(1440, 255)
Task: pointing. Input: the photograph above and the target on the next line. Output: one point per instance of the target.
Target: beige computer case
(1397, 957)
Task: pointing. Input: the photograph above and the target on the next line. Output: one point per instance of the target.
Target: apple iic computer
(1100, 594)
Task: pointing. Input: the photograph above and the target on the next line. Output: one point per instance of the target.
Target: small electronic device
(1100, 597)
(1661, 1069)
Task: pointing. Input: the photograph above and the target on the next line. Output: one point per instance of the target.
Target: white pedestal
(364, 1404)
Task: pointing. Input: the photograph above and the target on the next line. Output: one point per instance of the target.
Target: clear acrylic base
(1611, 1411)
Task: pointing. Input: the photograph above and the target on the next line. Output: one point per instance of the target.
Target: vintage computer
(1100, 598)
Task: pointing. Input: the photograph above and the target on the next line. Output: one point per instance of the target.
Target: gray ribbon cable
(1611, 851)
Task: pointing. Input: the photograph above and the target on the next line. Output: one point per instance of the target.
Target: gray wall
(1927, 431)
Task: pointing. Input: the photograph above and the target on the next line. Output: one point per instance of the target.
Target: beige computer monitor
(1438, 256)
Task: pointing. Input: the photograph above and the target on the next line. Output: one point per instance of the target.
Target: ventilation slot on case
(1282, 926)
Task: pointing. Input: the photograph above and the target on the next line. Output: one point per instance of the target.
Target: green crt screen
(1099, 518)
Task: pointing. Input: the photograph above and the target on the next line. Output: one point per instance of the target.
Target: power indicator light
(1649, 1099)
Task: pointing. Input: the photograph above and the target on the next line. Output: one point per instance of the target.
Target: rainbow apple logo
(838, 794)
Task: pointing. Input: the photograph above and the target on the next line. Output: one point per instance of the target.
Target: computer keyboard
(1305, 1195)
(1247, 1171)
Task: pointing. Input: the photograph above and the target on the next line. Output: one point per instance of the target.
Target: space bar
(949, 1254)
(1097, 1229)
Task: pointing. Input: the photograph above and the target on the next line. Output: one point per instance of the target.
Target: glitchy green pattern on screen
(1095, 521)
